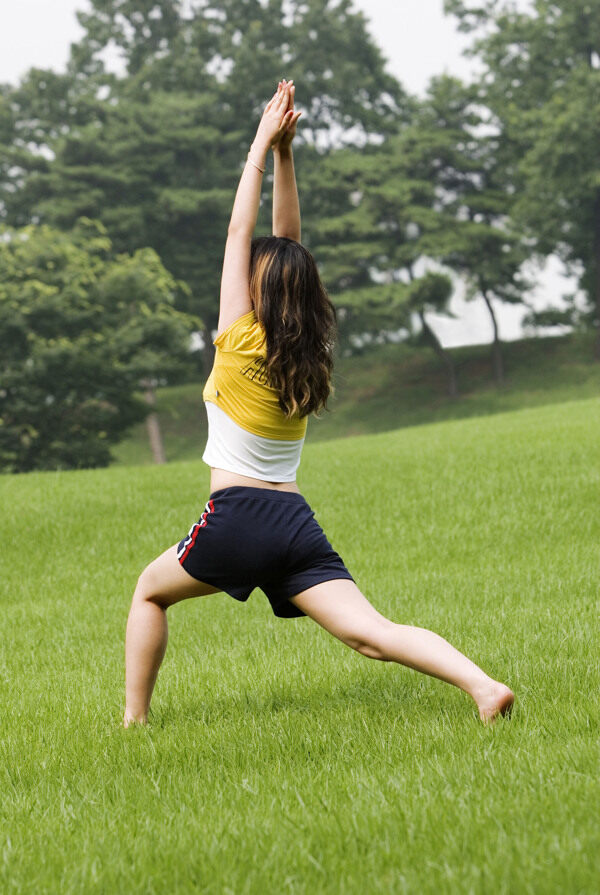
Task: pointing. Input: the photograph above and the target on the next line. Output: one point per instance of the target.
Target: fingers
(272, 100)
(282, 97)
(282, 87)
(295, 122)
(291, 120)
(281, 105)
(289, 87)
(285, 121)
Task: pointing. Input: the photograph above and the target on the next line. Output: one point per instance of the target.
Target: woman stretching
(272, 369)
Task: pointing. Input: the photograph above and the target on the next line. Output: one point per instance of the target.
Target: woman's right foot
(493, 700)
(129, 720)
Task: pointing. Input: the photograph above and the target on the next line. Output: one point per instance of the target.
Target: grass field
(278, 761)
(394, 386)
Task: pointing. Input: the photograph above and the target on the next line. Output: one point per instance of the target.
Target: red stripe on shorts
(209, 509)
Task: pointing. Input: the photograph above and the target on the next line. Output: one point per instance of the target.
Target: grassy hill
(277, 759)
(395, 386)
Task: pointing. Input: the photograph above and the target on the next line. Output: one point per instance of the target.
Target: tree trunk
(596, 280)
(153, 427)
(497, 359)
(444, 356)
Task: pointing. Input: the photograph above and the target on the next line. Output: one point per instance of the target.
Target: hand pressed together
(290, 121)
(278, 123)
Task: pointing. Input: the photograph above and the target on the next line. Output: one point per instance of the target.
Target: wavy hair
(299, 321)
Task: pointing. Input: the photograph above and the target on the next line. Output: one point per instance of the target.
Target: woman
(272, 368)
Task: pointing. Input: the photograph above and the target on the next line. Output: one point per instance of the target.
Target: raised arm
(235, 287)
(286, 206)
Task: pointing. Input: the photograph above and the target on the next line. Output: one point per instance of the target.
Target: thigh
(166, 582)
(341, 608)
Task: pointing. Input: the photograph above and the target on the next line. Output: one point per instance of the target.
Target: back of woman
(272, 366)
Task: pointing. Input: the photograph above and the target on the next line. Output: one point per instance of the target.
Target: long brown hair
(299, 321)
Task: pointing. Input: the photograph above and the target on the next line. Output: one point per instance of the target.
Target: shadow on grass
(377, 702)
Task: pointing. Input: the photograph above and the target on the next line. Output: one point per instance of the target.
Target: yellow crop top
(238, 383)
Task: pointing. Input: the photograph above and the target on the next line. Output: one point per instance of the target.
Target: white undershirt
(234, 449)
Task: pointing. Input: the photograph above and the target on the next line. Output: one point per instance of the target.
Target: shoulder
(244, 333)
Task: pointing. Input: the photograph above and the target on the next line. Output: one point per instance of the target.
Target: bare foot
(494, 699)
(130, 720)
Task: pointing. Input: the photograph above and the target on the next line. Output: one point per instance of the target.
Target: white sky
(417, 40)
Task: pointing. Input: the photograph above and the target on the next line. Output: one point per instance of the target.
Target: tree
(480, 243)
(542, 82)
(80, 332)
(375, 255)
(432, 292)
(237, 52)
(156, 154)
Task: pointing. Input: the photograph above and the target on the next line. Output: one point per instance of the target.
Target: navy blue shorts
(257, 537)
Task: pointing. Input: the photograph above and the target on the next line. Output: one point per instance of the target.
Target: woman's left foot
(494, 700)
(130, 720)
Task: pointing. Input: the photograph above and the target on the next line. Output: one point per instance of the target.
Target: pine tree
(542, 84)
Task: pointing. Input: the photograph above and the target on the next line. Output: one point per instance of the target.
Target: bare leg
(161, 584)
(340, 608)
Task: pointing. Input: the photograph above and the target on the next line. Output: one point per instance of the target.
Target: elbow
(240, 230)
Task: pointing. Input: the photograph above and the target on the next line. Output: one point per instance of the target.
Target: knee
(147, 586)
(373, 643)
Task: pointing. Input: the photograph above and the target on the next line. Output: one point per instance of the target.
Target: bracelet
(262, 170)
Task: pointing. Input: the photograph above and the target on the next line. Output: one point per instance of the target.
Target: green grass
(395, 386)
(279, 761)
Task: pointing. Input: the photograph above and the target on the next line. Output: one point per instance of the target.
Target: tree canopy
(542, 84)
(80, 331)
(156, 154)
